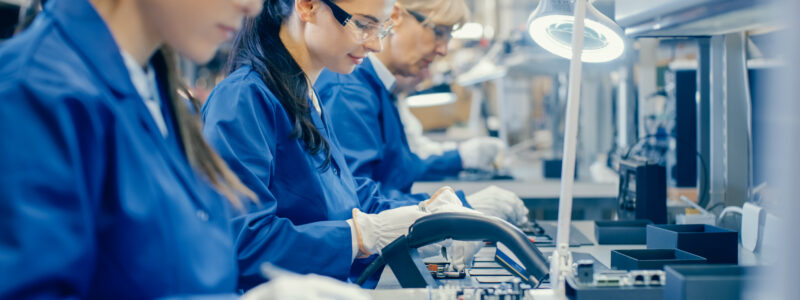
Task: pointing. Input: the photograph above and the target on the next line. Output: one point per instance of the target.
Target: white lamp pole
(561, 264)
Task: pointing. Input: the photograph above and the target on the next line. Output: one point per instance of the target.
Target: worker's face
(340, 48)
(414, 43)
(408, 84)
(196, 28)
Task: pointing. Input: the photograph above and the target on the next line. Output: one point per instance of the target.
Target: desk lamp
(551, 26)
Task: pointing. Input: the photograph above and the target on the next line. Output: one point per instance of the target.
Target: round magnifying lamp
(576, 30)
(552, 23)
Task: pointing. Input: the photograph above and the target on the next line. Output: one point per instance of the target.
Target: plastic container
(706, 282)
(621, 232)
(716, 245)
(652, 259)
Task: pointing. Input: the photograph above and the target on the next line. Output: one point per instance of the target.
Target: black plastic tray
(577, 291)
(651, 259)
(706, 282)
(621, 232)
(717, 245)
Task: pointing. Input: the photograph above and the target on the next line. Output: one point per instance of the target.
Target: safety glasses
(363, 28)
(442, 33)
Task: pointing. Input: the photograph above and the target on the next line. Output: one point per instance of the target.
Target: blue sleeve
(240, 124)
(49, 151)
(371, 199)
(357, 111)
(438, 167)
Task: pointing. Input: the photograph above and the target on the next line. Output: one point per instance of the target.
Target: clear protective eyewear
(363, 28)
(442, 33)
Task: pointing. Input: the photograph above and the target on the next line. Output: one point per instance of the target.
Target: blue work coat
(372, 135)
(94, 202)
(300, 223)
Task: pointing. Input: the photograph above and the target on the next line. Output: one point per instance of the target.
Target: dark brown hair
(259, 46)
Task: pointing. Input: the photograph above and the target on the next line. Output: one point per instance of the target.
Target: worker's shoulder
(243, 89)
(42, 64)
(245, 84)
(359, 78)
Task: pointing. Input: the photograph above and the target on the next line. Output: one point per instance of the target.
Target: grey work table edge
(536, 189)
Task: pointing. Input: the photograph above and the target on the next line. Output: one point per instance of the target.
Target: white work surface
(529, 189)
(389, 289)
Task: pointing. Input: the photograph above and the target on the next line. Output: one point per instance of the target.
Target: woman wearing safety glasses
(369, 126)
(266, 122)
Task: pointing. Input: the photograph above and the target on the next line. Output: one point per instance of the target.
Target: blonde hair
(443, 12)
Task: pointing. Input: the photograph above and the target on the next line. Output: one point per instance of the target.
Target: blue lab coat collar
(385, 76)
(87, 31)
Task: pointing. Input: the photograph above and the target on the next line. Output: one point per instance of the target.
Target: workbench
(389, 289)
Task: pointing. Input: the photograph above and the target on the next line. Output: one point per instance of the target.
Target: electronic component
(632, 278)
(443, 271)
(642, 191)
(513, 290)
(584, 270)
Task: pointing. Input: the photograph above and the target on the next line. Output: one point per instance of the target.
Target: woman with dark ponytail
(265, 121)
(108, 189)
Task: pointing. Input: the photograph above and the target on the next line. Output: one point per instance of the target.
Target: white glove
(304, 287)
(442, 200)
(497, 202)
(480, 152)
(375, 231)
(459, 253)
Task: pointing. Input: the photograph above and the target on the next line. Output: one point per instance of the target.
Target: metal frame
(704, 114)
(724, 128)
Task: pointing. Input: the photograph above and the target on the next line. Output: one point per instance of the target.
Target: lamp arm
(561, 262)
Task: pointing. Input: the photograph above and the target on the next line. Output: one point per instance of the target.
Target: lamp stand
(561, 262)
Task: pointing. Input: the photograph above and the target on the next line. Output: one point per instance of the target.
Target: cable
(703, 200)
(733, 209)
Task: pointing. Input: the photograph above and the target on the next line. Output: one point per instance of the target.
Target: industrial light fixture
(435, 96)
(469, 31)
(576, 30)
(552, 23)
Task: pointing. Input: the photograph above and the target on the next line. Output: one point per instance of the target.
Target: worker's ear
(307, 9)
(397, 15)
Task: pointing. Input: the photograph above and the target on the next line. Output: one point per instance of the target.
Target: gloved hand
(459, 253)
(497, 202)
(303, 287)
(442, 200)
(375, 231)
(480, 152)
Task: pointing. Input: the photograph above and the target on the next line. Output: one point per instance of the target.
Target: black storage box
(621, 232)
(717, 245)
(578, 291)
(551, 168)
(651, 259)
(706, 282)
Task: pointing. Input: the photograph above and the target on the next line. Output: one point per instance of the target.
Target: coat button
(202, 215)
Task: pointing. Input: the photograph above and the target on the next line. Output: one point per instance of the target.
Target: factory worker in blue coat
(369, 127)
(108, 189)
(266, 122)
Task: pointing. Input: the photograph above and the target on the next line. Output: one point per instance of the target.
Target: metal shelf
(673, 18)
